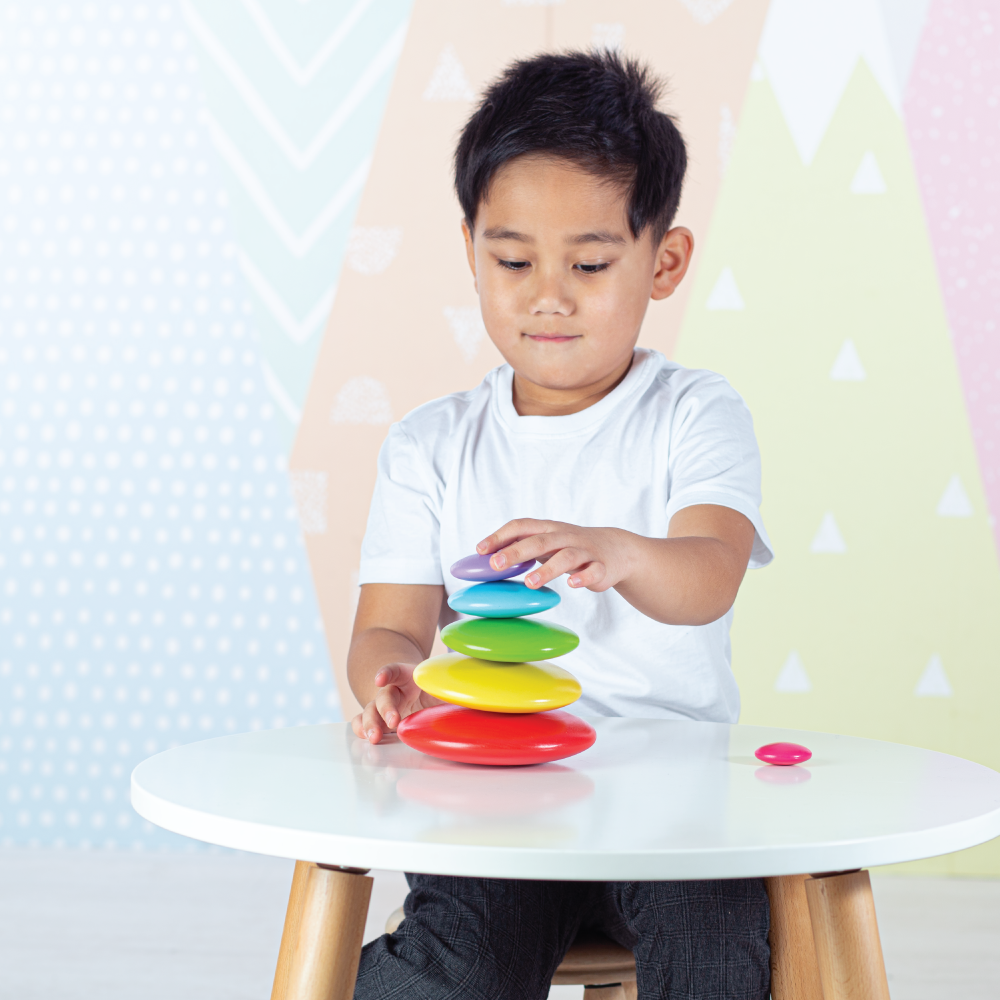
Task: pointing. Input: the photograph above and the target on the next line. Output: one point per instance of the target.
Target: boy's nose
(550, 298)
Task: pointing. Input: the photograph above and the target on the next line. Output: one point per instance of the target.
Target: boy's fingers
(387, 675)
(357, 724)
(564, 561)
(387, 702)
(569, 560)
(593, 577)
(512, 530)
(373, 725)
(540, 546)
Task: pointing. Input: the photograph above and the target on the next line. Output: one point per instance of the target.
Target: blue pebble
(502, 599)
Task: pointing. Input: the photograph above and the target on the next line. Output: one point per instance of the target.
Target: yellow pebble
(497, 687)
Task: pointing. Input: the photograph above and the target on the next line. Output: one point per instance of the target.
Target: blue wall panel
(153, 584)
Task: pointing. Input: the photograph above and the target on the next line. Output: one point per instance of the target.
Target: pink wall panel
(952, 110)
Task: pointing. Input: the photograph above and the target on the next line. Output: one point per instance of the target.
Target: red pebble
(783, 754)
(472, 736)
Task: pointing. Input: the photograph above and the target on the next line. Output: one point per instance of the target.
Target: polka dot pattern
(153, 584)
(952, 106)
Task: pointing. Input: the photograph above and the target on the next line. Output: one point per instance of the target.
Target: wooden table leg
(845, 931)
(290, 932)
(324, 928)
(794, 970)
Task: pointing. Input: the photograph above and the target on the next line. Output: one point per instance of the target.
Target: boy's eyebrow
(598, 236)
(501, 233)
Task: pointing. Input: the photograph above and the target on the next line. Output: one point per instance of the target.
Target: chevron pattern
(294, 96)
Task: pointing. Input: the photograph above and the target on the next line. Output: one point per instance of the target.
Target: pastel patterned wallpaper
(230, 258)
(153, 584)
(819, 298)
(952, 107)
(294, 95)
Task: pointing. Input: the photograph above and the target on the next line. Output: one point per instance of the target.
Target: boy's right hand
(397, 698)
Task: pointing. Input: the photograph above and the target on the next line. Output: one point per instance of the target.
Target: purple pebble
(478, 569)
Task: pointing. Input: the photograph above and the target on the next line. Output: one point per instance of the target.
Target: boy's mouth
(552, 338)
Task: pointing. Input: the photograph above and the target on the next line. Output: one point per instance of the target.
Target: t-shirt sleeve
(402, 539)
(714, 458)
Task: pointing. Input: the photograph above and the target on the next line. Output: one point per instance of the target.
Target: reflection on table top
(652, 799)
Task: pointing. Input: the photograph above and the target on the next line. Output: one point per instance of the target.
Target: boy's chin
(558, 377)
(568, 367)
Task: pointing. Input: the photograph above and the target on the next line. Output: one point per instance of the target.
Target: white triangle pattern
(371, 249)
(810, 49)
(868, 178)
(904, 24)
(725, 294)
(933, 681)
(309, 491)
(847, 367)
(706, 11)
(608, 36)
(828, 538)
(448, 81)
(793, 678)
(954, 501)
(362, 400)
(467, 328)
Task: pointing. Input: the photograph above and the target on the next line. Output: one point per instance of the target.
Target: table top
(652, 799)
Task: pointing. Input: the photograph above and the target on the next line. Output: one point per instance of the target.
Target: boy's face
(563, 285)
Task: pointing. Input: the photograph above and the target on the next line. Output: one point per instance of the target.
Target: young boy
(634, 481)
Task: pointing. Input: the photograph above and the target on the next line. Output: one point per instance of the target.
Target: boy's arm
(688, 578)
(393, 631)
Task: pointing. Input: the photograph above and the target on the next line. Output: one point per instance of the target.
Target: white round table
(650, 800)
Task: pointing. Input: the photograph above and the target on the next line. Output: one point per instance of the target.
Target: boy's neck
(531, 400)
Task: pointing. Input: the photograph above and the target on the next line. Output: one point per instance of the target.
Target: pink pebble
(783, 754)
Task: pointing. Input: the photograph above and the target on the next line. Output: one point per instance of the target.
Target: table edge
(558, 863)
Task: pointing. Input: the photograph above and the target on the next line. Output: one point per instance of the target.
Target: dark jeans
(501, 939)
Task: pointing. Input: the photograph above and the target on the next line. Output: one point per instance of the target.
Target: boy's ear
(672, 259)
(470, 252)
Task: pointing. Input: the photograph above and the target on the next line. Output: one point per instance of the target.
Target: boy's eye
(513, 265)
(592, 268)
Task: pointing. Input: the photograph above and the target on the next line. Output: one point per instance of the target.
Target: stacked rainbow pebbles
(503, 707)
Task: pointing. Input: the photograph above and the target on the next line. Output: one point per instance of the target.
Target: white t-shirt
(456, 469)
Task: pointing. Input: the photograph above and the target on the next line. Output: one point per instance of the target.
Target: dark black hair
(595, 109)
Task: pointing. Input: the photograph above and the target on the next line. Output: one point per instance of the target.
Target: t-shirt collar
(642, 371)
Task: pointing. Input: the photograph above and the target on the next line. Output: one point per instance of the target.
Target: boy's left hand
(595, 558)
(688, 578)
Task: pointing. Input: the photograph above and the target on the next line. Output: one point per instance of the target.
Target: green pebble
(509, 640)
